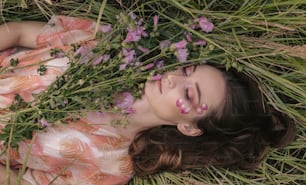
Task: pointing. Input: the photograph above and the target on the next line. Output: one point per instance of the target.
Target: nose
(174, 80)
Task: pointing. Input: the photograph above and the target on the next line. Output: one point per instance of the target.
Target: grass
(263, 38)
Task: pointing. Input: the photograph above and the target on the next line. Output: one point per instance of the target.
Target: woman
(192, 117)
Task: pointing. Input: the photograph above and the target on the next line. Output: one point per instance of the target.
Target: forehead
(212, 85)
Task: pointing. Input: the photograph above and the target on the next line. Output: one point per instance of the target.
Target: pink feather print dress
(80, 152)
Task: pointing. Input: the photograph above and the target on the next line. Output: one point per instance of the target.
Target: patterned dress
(80, 152)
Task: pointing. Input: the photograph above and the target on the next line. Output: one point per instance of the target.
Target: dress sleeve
(64, 30)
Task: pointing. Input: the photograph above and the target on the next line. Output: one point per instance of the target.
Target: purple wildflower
(132, 15)
(65, 102)
(106, 28)
(129, 55)
(98, 60)
(188, 37)
(106, 57)
(79, 51)
(164, 44)
(205, 24)
(132, 36)
(135, 35)
(101, 58)
(124, 100)
(193, 26)
(200, 43)
(139, 22)
(155, 21)
(159, 64)
(137, 63)
(122, 66)
(148, 66)
(59, 54)
(43, 122)
(182, 54)
(143, 49)
(180, 45)
(86, 56)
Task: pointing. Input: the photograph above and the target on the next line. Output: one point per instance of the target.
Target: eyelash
(187, 94)
(184, 71)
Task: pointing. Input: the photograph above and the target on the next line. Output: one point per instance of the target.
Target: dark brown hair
(238, 139)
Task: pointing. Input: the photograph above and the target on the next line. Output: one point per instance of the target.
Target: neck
(142, 119)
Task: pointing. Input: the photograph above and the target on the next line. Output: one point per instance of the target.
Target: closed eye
(187, 96)
(184, 71)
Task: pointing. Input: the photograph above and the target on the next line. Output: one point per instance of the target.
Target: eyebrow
(199, 92)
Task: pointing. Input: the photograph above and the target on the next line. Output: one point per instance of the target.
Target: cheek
(165, 108)
(164, 105)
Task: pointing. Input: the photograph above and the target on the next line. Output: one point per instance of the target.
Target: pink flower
(164, 44)
(205, 24)
(106, 57)
(132, 36)
(200, 43)
(148, 66)
(106, 28)
(132, 15)
(124, 100)
(143, 49)
(188, 37)
(139, 22)
(182, 54)
(43, 122)
(180, 45)
(79, 51)
(129, 55)
(122, 66)
(159, 64)
(135, 35)
(155, 21)
(103, 58)
(85, 55)
(193, 26)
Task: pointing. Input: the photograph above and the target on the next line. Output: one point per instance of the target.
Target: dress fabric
(80, 152)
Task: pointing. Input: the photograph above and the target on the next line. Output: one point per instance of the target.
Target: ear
(189, 129)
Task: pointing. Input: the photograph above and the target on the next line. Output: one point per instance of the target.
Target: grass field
(263, 38)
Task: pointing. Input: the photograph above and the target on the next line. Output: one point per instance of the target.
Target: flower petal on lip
(156, 77)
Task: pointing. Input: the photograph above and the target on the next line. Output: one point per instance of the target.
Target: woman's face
(184, 94)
